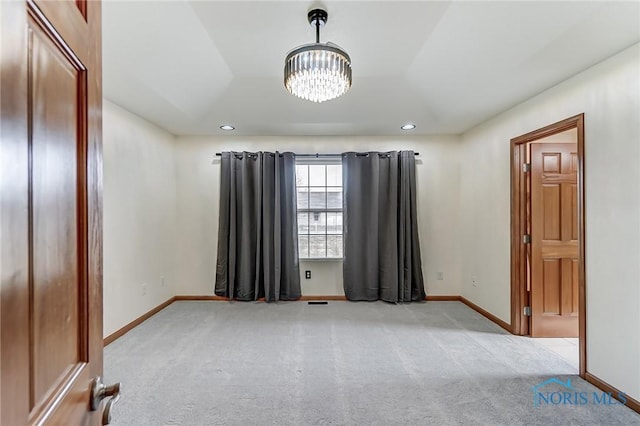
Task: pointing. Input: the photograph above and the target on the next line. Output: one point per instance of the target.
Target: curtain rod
(219, 154)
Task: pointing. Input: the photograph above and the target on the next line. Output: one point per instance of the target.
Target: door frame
(519, 295)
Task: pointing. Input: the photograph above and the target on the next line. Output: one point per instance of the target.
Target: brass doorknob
(100, 391)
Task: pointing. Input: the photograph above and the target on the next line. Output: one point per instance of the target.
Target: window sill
(321, 259)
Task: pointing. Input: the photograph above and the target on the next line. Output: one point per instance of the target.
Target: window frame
(318, 161)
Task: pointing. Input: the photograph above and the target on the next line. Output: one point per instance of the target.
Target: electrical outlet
(144, 289)
(440, 276)
(307, 275)
(474, 281)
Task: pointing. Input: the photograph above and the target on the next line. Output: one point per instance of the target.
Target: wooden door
(51, 213)
(554, 232)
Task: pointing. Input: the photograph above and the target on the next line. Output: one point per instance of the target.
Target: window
(319, 191)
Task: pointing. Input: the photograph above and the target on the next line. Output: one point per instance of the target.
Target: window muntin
(319, 194)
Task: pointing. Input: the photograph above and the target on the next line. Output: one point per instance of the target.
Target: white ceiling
(190, 66)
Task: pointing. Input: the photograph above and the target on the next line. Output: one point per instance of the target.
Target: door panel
(551, 162)
(551, 207)
(51, 294)
(56, 86)
(551, 287)
(554, 229)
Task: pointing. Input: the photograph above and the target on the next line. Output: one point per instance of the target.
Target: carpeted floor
(345, 363)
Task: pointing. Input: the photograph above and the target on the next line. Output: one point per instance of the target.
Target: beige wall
(609, 95)
(161, 209)
(139, 216)
(437, 171)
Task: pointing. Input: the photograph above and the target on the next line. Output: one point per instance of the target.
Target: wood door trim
(519, 297)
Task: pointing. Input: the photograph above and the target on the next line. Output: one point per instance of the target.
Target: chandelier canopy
(315, 71)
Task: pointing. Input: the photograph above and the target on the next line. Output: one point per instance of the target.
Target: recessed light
(227, 127)
(408, 126)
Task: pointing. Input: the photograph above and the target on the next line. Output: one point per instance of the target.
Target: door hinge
(527, 311)
(526, 167)
(526, 239)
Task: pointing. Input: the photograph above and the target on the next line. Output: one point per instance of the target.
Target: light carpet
(345, 363)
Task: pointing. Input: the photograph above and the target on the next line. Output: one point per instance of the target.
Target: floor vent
(317, 302)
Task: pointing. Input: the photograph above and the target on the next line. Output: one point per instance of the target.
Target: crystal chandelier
(315, 71)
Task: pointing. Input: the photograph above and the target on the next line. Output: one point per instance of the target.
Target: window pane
(334, 223)
(318, 188)
(316, 175)
(317, 223)
(334, 198)
(334, 246)
(303, 246)
(303, 198)
(334, 175)
(317, 246)
(303, 223)
(317, 198)
(302, 175)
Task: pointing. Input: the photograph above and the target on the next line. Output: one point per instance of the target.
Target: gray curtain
(258, 231)
(382, 252)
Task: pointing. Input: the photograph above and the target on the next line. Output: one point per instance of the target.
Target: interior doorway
(552, 223)
(547, 233)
